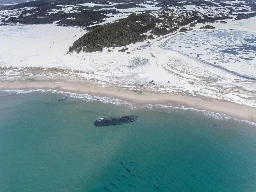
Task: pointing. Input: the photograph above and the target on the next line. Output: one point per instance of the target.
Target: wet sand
(232, 109)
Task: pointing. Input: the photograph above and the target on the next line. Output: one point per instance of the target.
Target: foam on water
(54, 146)
(130, 105)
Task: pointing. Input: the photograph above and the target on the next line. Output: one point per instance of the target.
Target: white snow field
(180, 63)
(233, 50)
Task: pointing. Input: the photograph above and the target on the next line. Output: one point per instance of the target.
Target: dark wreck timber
(115, 121)
(62, 99)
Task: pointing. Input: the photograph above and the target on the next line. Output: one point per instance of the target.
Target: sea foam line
(215, 115)
(130, 105)
(83, 96)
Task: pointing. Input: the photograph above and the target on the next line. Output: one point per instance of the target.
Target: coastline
(241, 112)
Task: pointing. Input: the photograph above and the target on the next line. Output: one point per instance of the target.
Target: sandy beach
(232, 109)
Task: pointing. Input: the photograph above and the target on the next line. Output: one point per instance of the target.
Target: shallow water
(46, 145)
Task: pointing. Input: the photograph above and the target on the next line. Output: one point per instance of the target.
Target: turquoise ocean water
(52, 146)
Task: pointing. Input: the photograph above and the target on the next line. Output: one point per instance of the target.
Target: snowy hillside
(85, 13)
(216, 63)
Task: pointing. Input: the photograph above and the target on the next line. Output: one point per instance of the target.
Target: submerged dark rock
(115, 121)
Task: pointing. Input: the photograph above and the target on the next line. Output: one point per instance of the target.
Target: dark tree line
(124, 32)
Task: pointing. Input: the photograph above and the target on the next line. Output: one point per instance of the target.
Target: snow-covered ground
(6, 14)
(162, 60)
(113, 10)
(233, 50)
(36, 45)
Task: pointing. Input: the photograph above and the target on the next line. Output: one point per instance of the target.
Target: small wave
(85, 97)
(215, 115)
(114, 101)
